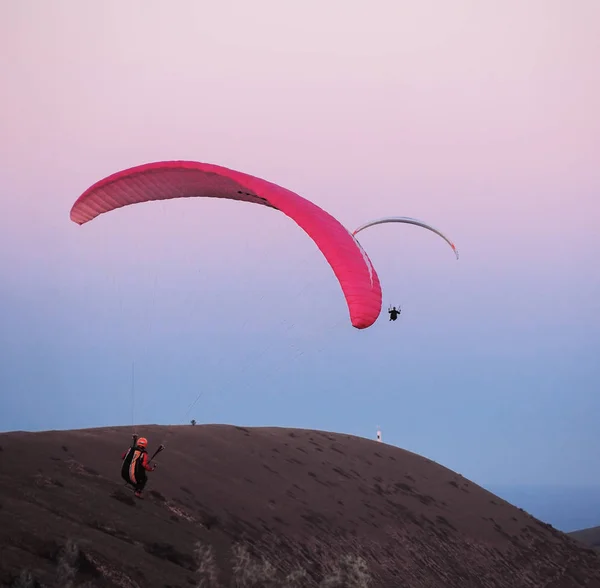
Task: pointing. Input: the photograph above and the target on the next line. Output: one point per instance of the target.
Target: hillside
(568, 507)
(589, 537)
(300, 499)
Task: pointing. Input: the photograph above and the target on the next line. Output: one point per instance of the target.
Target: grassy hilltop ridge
(267, 506)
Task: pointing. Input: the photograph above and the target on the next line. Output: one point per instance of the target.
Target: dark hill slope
(296, 497)
(589, 537)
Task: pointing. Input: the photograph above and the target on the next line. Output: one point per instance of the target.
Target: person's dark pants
(141, 483)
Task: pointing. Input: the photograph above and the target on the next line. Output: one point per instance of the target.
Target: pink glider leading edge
(184, 179)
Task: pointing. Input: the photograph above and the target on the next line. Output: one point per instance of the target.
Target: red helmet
(142, 442)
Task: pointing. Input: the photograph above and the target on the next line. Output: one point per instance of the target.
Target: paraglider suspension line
(132, 394)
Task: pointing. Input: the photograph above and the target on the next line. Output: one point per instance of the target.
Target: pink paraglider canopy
(185, 179)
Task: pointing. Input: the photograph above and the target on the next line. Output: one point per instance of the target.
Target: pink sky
(478, 117)
(441, 109)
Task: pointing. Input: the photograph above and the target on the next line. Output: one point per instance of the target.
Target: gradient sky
(479, 117)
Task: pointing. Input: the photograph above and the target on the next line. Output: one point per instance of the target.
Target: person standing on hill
(136, 464)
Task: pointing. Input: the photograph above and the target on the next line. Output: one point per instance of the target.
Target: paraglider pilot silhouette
(394, 312)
